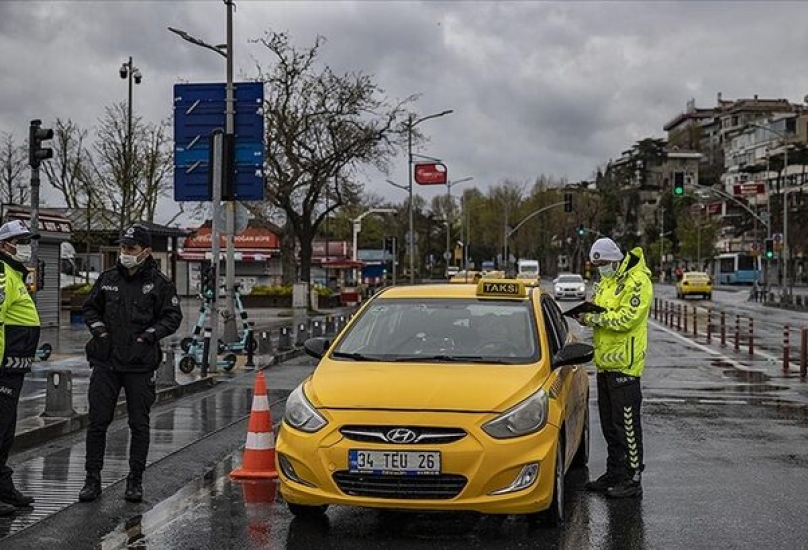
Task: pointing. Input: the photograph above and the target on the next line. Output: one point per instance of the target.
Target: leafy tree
(321, 129)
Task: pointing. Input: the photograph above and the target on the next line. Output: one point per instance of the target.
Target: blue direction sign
(199, 109)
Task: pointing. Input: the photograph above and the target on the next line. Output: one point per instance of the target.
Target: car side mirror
(572, 354)
(316, 347)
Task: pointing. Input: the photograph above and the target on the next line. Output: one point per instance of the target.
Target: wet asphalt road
(726, 454)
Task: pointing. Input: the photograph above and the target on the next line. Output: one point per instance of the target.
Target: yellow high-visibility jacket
(620, 334)
(19, 319)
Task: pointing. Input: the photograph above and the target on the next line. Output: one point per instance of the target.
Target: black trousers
(105, 387)
(10, 387)
(619, 405)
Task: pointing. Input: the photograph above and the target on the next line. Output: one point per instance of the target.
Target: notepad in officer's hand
(584, 307)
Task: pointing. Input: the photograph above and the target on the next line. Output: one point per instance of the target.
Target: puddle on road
(195, 499)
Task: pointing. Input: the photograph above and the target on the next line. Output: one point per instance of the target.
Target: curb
(63, 426)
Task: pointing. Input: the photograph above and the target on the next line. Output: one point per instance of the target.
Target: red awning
(197, 255)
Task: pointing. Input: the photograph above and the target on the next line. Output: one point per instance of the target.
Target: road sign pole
(217, 145)
(230, 332)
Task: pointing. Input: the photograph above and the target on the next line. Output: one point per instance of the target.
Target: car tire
(581, 457)
(554, 515)
(307, 512)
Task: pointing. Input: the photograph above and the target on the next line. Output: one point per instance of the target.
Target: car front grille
(423, 435)
(430, 487)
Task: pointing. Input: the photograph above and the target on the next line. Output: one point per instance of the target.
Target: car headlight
(527, 417)
(300, 414)
(582, 288)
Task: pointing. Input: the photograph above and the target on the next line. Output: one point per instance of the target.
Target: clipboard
(584, 307)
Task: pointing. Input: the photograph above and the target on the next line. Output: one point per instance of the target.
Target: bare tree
(320, 127)
(66, 171)
(13, 184)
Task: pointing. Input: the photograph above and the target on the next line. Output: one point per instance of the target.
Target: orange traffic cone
(259, 454)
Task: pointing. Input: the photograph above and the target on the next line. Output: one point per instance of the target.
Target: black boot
(602, 484)
(16, 498)
(629, 488)
(92, 487)
(134, 488)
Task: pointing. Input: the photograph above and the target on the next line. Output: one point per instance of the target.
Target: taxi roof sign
(501, 288)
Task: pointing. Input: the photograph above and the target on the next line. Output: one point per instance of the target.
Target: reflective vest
(19, 337)
(620, 335)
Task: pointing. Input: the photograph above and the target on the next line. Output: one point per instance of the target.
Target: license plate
(394, 462)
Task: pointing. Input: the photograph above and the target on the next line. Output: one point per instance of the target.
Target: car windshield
(441, 331)
(570, 279)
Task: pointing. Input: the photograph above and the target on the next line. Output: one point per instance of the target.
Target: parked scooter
(246, 341)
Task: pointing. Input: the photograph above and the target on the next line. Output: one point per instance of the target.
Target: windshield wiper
(354, 356)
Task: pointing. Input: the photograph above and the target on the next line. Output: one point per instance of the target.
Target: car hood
(418, 386)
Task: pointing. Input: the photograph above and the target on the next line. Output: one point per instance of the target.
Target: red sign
(252, 237)
(714, 208)
(749, 188)
(431, 174)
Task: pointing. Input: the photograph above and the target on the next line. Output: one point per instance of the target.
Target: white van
(529, 271)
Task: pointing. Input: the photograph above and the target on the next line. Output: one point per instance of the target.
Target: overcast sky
(557, 88)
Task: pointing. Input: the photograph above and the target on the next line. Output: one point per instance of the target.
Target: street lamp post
(131, 73)
(357, 227)
(226, 51)
(412, 123)
(449, 207)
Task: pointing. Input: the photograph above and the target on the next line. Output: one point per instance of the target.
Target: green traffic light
(678, 191)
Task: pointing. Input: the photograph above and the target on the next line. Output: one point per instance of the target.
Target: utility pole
(230, 331)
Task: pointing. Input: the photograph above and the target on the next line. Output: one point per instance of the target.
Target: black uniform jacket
(128, 307)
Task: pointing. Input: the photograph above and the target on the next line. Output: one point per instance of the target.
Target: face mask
(130, 261)
(606, 271)
(23, 254)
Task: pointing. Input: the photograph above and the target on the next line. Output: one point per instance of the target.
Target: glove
(99, 332)
(146, 338)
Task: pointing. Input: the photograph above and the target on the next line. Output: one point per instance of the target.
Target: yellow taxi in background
(436, 397)
(464, 277)
(694, 283)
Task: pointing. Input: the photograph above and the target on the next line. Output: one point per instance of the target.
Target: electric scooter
(247, 337)
(196, 335)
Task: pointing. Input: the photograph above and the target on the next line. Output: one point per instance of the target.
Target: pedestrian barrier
(59, 394)
(259, 453)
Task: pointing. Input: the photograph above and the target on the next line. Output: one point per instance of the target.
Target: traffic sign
(433, 173)
(198, 110)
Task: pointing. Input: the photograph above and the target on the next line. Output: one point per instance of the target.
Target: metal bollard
(167, 371)
(656, 309)
(723, 329)
(206, 352)
(316, 328)
(329, 325)
(709, 325)
(685, 320)
(786, 359)
(751, 336)
(737, 346)
(285, 339)
(804, 353)
(59, 394)
(264, 343)
(302, 334)
(250, 364)
(695, 322)
(678, 316)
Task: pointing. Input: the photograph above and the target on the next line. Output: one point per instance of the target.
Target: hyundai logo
(401, 435)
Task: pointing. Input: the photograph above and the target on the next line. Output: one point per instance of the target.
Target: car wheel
(581, 457)
(554, 515)
(303, 511)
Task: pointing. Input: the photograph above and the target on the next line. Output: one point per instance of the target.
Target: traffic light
(678, 184)
(36, 135)
(567, 202)
(581, 230)
(390, 244)
(769, 251)
(209, 283)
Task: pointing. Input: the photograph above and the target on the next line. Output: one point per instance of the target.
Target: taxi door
(572, 385)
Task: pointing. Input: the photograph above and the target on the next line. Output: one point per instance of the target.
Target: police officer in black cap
(131, 307)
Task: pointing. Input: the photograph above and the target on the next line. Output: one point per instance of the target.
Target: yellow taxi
(694, 283)
(442, 398)
(463, 277)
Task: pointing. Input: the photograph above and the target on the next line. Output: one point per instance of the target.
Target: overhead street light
(411, 123)
(449, 207)
(357, 227)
